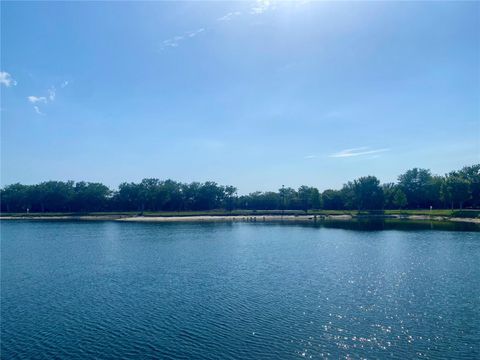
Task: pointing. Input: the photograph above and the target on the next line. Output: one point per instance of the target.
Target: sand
(234, 218)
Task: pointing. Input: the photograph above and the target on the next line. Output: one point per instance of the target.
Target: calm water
(77, 290)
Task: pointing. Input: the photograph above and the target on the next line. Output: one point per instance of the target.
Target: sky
(251, 94)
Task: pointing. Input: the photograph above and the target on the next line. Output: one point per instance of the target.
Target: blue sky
(253, 94)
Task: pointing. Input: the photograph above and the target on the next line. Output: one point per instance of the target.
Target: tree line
(415, 189)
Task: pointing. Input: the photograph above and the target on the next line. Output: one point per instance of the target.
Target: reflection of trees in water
(393, 224)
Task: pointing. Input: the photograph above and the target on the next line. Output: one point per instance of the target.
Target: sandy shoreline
(240, 218)
(64, 217)
(237, 218)
(193, 218)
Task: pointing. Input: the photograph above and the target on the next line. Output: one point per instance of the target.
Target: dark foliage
(416, 188)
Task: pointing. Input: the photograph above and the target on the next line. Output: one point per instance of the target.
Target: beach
(239, 218)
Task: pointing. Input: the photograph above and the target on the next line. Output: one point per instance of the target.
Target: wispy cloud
(262, 6)
(6, 79)
(357, 152)
(176, 40)
(259, 7)
(195, 32)
(37, 99)
(48, 98)
(229, 16)
(310, 157)
(37, 110)
(173, 42)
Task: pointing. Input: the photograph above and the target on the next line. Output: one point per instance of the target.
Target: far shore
(239, 218)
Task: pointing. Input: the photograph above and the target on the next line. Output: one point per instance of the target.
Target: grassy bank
(443, 212)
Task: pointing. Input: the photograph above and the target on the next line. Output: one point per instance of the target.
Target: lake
(113, 290)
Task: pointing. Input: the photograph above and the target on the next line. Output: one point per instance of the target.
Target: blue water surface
(112, 290)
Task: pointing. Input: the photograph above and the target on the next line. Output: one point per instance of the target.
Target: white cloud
(229, 16)
(310, 157)
(357, 152)
(51, 94)
(37, 99)
(169, 43)
(195, 32)
(261, 6)
(6, 79)
(37, 110)
(175, 41)
(49, 98)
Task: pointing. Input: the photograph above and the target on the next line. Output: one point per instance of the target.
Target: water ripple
(237, 291)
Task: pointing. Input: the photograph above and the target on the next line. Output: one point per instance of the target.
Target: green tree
(55, 195)
(416, 188)
(332, 200)
(456, 190)
(472, 175)
(394, 198)
(309, 197)
(368, 194)
(434, 192)
(348, 196)
(128, 197)
(90, 197)
(399, 199)
(14, 197)
(415, 185)
(230, 192)
(209, 196)
(169, 195)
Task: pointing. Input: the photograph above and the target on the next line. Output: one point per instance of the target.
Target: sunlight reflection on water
(120, 290)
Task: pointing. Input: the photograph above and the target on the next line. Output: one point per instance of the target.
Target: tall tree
(415, 185)
(472, 175)
(55, 195)
(309, 197)
(368, 194)
(394, 198)
(416, 188)
(90, 197)
(230, 192)
(332, 200)
(14, 198)
(456, 190)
